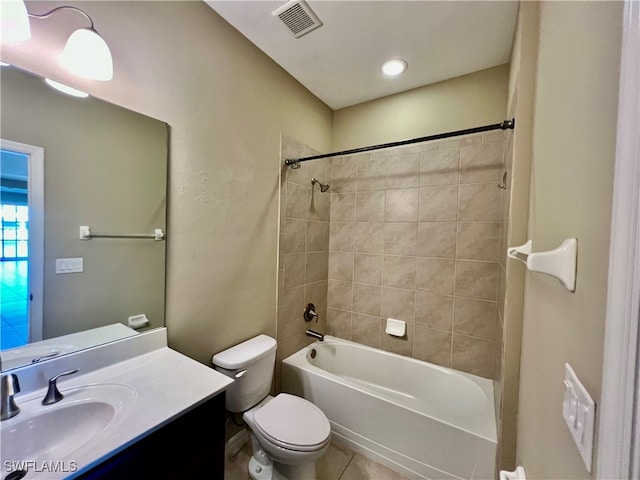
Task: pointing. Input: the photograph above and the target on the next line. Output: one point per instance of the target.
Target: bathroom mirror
(101, 166)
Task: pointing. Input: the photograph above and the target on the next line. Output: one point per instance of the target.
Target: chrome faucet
(53, 395)
(314, 334)
(9, 386)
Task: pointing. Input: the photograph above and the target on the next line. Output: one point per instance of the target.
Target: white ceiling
(340, 61)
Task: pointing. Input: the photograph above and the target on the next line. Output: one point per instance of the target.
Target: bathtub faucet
(314, 334)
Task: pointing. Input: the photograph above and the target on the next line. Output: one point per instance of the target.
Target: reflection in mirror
(101, 166)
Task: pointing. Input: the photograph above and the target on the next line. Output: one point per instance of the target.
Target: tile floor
(14, 326)
(339, 463)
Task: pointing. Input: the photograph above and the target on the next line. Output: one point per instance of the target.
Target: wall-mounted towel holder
(559, 263)
(87, 234)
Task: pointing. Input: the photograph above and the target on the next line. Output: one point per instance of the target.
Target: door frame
(36, 233)
(619, 422)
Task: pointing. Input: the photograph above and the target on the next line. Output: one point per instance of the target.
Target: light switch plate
(69, 265)
(578, 411)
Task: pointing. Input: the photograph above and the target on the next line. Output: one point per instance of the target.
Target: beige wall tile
(317, 267)
(473, 355)
(479, 203)
(294, 269)
(402, 171)
(316, 293)
(478, 241)
(366, 299)
(341, 266)
(293, 236)
(342, 237)
(438, 204)
(435, 275)
(436, 239)
(294, 295)
(462, 141)
(319, 205)
(339, 323)
(370, 206)
(432, 345)
(400, 238)
(343, 175)
(371, 174)
(481, 163)
(343, 207)
(340, 295)
(434, 311)
(476, 279)
(401, 205)
(399, 272)
(367, 269)
(476, 318)
(365, 329)
(298, 201)
(317, 239)
(398, 303)
(439, 167)
(369, 237)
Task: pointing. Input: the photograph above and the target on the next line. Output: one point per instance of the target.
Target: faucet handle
(53, 395)
(10, 386)
(310, 313)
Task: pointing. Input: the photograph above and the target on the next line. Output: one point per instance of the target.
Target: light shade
(66, 88)
(86, 54)
(394, 67)
(15, 21)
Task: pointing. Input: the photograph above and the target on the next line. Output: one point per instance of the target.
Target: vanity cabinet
(189, 447)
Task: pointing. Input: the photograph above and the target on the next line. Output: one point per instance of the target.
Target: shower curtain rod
(507, 124)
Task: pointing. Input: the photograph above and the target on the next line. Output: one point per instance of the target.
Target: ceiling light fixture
(61, 87)
(85, 54)
(394, 67)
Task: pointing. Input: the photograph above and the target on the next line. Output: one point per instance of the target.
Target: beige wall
(464, 102)
(227, 104)
(571, 189)
(105, 167)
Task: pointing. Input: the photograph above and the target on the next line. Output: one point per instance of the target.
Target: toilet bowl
(288, 433)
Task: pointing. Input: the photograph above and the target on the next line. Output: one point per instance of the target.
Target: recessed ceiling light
(394, 67)
(61, 87)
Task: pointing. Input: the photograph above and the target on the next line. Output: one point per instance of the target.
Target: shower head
(323, 186)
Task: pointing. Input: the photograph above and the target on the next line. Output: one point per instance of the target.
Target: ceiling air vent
(298, 17)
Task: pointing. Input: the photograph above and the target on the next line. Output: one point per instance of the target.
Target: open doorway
(21, 243)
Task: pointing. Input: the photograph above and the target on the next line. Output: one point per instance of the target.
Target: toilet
(288, 433)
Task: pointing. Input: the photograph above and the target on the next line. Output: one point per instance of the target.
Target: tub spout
(314, 334)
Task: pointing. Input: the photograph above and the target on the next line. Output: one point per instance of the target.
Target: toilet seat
(293, 423)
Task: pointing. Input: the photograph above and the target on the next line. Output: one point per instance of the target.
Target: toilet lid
(293, 423)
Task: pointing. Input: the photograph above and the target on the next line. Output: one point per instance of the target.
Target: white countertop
(167, 384)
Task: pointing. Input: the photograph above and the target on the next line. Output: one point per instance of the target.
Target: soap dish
(396, 328)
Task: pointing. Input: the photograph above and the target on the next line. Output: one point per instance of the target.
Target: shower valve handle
(310, 313)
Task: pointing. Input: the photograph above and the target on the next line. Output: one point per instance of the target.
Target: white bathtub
(420, 419)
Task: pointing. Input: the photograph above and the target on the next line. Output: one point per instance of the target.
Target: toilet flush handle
(240, 373)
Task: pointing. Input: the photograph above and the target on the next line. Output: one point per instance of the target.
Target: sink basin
(52, 433)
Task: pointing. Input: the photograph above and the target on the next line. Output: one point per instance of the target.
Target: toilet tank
(251, 365)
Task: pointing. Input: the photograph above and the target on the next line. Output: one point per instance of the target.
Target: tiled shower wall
(414, 235)
(304, 249)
